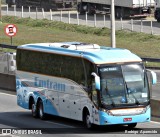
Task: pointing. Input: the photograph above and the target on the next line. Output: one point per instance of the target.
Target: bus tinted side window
(38, 62)
(55, 65)
(72, 68)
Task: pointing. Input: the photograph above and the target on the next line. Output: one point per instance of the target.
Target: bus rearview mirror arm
(97, 80)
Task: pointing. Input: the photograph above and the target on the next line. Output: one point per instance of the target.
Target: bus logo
(49, 84)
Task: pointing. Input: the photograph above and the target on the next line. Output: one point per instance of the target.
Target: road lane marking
(60, 124)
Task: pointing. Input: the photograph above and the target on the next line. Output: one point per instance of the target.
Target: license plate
(127, 119)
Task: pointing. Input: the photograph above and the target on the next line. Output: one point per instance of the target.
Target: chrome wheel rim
(88, 123)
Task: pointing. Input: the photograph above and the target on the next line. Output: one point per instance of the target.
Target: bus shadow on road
(69, 126)
(55, 125)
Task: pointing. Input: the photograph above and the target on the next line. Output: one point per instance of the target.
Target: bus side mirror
(153, 76)
(97, 80)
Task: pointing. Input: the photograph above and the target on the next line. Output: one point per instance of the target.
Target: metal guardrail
(8, 46)
(151, 59)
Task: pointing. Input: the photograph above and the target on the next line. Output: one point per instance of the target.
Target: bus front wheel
(87, 121)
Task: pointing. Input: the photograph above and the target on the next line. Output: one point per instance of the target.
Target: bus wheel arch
(86, 118)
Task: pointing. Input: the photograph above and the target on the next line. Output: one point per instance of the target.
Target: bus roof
(92, 52)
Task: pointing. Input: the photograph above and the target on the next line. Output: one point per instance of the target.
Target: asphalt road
(14, 117)
(100, 20)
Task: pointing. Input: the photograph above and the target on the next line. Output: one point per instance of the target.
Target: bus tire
(87, 121)
(34, 110)
(41, 113)
(132, 125)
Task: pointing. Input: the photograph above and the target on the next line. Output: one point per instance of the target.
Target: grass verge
(31, 31)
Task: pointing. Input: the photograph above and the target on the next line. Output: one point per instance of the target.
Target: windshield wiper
(107, 92)
(137, 102)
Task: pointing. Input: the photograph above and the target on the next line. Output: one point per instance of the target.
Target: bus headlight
(109, 113)
(145, 109)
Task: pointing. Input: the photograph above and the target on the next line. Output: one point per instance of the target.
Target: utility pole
(0, 11)
(113, 36)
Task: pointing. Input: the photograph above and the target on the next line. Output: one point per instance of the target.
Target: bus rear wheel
(34, 110)
(41, 110)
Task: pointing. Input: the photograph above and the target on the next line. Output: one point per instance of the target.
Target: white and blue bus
(85, 82)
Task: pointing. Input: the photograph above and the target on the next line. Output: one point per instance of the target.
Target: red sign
(11, 30)
(127, 119)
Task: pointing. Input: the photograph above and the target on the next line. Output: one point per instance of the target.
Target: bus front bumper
(106, 119)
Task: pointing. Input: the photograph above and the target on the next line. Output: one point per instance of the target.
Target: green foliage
(36, 31)
(56, 24)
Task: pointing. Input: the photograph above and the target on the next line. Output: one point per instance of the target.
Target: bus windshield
(123, 85)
